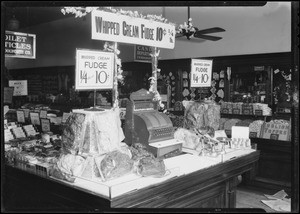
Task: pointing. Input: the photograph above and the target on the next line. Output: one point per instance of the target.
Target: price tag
(246, 111)
(274, 136)
(43, 114)
(235, 111)
(45, 123)
(26, 112)
(29, 130)
(94, 70)
(35, 118)
(18, 132)
(259, 112)
(65, 117)
(253, 134)
(20, 116)
(225, 110)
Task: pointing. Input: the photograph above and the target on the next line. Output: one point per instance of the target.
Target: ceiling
(31, 13)
(30, 16)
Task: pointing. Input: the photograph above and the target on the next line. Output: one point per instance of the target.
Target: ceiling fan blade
(212, 38)
(210, 30)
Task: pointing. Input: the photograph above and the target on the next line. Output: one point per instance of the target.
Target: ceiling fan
(189, 31)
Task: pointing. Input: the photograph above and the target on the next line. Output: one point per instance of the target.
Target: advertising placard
(94, 70)
(20, 45)
(20, 87)
(275, 131)
(142, 53)
(114, 27)
(201, 71)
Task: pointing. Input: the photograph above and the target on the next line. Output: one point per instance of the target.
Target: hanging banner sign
(20, 87)
(20, 45)
(201, 73)
(142, 53)
(108, 26)
(94, 70)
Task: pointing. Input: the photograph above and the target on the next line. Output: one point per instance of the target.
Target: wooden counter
(212, 187)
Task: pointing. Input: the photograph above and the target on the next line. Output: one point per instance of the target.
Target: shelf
(245, 115)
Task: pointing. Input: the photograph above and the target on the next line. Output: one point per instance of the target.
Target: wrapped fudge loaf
(201, 114)
(68, 167)
(189, 138)
(145, 164)
(72, 135)
(92, 132)
(115, 164)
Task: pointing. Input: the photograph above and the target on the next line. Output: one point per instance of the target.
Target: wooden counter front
(212, 187)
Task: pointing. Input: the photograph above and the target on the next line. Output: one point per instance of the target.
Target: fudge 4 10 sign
(201, 73)
(94, 70)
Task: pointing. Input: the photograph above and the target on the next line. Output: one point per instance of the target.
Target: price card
(235, 111)
(94, 70)
(45, 123)
(20, 116)
(258, 112)
(246, 111)
(26, 112)
(18, 132)
(65, 117)
(8, 135)
(253, 134)
(201, 73)
(35, 118)
(225, 110)
(43, 114)
(29, 130)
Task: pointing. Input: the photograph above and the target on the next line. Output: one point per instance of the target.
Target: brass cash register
(146, 125)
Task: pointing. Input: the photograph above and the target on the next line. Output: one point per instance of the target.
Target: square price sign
(94, 70)
(201, 73)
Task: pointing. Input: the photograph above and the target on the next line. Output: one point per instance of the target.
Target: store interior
(254, 86)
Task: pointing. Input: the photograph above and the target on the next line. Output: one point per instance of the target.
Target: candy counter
(90, 160)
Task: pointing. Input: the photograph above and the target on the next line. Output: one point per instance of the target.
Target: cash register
(146, 125)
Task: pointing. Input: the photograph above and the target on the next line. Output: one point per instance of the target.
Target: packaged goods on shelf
(246, 108)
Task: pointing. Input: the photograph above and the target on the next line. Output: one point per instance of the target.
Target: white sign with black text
(94, 70)
(114, 27)
(201, 71)
(20, 87)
